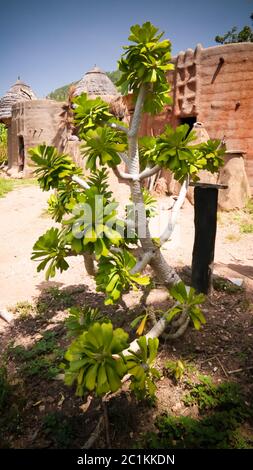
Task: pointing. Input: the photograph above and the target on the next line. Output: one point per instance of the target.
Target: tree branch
(118, 127)
(124, 158)
(133, 131)
(149, 172)
(7, 316)
(80, 181)
(94, 435)
(89, 264)
(121, 174)
(175, 212)
(142, 263)
(181, 330)
(125, 176)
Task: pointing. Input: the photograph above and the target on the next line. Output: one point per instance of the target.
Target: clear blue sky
(50, 43)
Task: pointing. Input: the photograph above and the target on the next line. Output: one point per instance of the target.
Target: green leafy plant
(3, 143)
(99, 179)
(81, 318)
(91, 361)
(51, 248)
(176, 368)
(187, 302)
(95, 225)
(246, 228)
(245, 35)
(175, 151)
(23, 309)
(52, 167)
(58, 428)
(141, 368)
(4, 387)
(207, 395)
(59, 202)
(140, 321)
(42, 359)
(147, 61)
(114, 275)
(98, 234)
(218, 429)
(90, 113)
(103, 144)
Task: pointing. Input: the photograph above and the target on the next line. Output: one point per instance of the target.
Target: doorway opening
(190, 120)
(21, 153)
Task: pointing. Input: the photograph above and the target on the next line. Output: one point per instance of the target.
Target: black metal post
(205, 221)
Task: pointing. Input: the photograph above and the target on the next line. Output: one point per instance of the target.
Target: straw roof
(96, 83)
(18, 92)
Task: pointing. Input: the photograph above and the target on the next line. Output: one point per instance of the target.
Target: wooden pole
(205, 221)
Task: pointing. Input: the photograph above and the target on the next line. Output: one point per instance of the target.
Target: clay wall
(226, 97)
(213, 86)
(38, 122)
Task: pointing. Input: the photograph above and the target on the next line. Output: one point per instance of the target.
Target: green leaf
(172, 313)
(51, 249)
(118, 276)
(51, 167)
(178, 292)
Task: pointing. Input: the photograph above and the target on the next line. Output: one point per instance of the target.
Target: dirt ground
(44, 413)
(23, 220)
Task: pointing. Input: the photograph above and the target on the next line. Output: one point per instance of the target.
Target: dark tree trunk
(205, 221)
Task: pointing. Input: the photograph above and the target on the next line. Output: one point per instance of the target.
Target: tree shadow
(246, 271)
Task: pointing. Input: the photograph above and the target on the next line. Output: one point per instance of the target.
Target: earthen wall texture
(225, 104)
(214, 86)
(39, 122)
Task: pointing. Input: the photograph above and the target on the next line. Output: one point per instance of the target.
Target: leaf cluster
(103, 145)
(141, 369)
(175, 151)
(187, 302)
(89, 113)
(146, 63)
(114, 275)
(81, 318)
(177, 368)
(94, 225)
(90, 360)
(51, 248)
(52, 167)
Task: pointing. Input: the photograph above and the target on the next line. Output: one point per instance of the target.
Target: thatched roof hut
(97, 83)
(18, 92)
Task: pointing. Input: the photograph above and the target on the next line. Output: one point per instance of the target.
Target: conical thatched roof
(97, 83)
(18, 92)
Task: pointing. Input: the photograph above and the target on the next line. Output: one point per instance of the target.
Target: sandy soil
(23, 220)
(42, 412)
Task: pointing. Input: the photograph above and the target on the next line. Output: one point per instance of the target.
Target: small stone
(215, 369)
(176, 407)
(42, 408)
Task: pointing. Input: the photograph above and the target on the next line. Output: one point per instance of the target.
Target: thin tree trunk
(89, 264)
